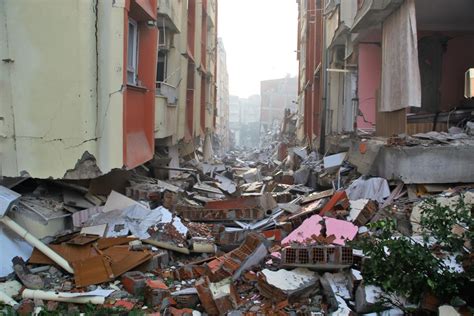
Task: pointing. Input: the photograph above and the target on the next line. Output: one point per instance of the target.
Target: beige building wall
(222, 101)
(170, 119)
(301, 56)
(50, 112)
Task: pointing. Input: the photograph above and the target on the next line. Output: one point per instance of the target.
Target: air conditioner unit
(469, 83)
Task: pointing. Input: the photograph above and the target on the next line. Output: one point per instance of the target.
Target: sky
(260, 38)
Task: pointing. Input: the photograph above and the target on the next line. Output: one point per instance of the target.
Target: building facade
(222, 102)
(77, 86)
(186, 73)
(384, 67)
(100, 91)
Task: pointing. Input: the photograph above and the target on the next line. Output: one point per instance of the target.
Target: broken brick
(205, 296)
(134, 282)
(339, 201)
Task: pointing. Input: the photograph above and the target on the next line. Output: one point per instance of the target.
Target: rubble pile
(278, 231)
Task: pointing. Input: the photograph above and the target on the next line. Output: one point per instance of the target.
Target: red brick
(205, 296)
(134, 282)
(339, 200)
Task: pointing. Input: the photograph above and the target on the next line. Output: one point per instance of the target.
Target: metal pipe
(322, 138)
(32, 240)
(40, 269)
(7, 299)
(339, 70)
(203, 247)
(62, 297)
(165, 245)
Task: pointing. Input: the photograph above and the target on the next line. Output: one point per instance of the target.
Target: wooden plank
(415, 128)
(390, 123)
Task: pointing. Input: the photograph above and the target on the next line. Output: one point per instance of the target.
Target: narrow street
(236, 157)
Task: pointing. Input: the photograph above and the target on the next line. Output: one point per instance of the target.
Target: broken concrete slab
(284, 284)
(301, 175)
(366, 297)
(336, 284)
(334, 160)
(98, 230)
(361, 211)
(117, 201)
(415, 164)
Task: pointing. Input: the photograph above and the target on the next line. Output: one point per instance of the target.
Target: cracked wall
(50, 113)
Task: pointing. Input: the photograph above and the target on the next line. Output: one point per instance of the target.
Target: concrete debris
(286, 285)
(447, 310)
(375, 189)
(361, 211)
(366, 298)
(334, 160)
(245, 235)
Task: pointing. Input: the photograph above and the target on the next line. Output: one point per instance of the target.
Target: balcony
(372, 13)
(169, 15)
(168, 91)
(211, 11)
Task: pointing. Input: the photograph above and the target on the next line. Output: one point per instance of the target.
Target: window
(132, 52)
(161, 68)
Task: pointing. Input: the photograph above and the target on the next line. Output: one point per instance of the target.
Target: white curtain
(401, 86)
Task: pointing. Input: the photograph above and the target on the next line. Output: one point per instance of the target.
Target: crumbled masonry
(186, 245)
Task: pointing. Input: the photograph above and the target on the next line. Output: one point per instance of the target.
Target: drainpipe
(4, 298)
(62, 297)
(32, 240)
(325, 98)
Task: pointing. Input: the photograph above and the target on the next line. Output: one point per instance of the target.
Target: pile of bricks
(229, 264)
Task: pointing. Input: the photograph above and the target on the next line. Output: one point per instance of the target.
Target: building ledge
(373, 12)
(137, 88)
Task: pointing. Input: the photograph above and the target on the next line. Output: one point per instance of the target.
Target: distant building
(222, 102)
(277, 95)
(244, 120)
(234, 118)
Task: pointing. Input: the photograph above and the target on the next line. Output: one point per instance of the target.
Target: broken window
(132, 52)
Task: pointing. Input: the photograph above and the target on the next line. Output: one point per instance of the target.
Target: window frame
(162, 55)
(133, 69)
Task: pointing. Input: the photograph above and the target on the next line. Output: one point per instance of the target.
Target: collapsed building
(379, 69)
